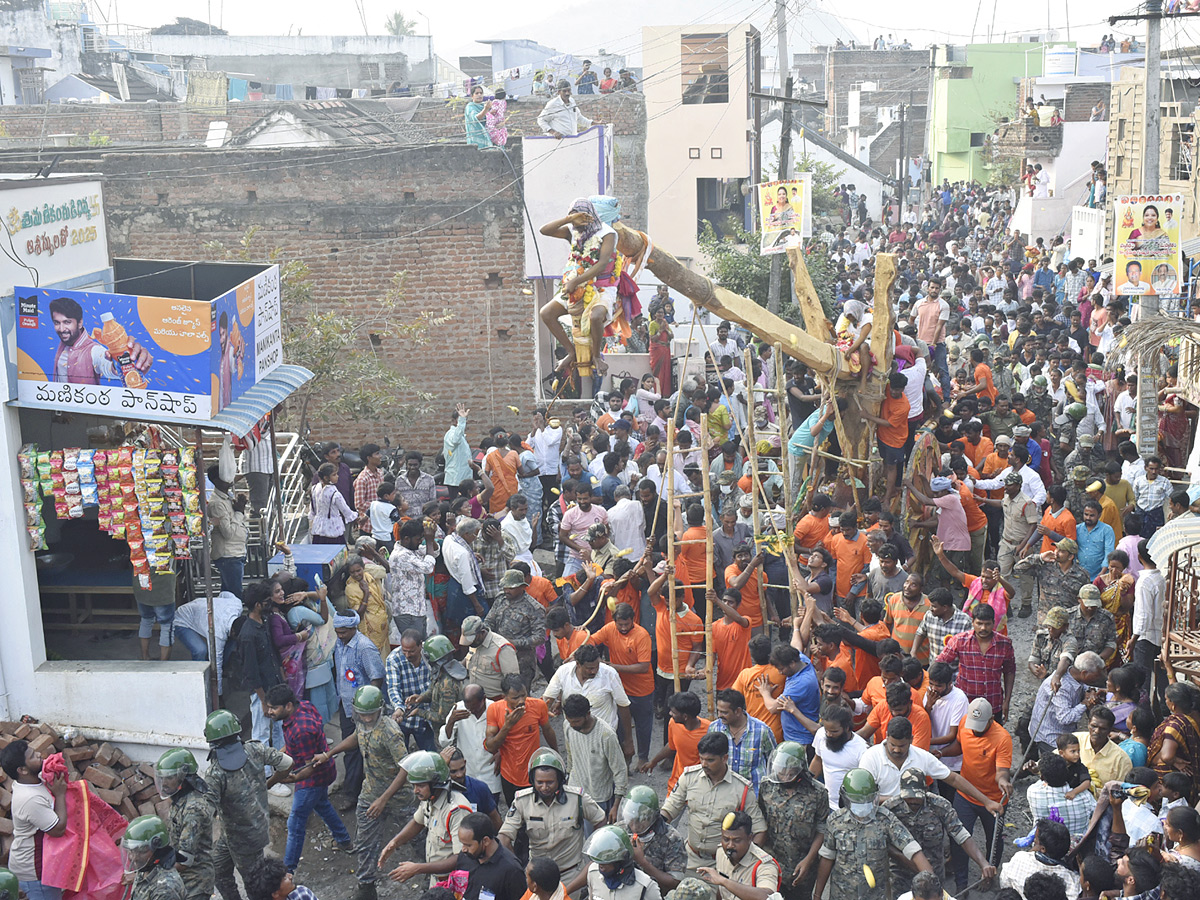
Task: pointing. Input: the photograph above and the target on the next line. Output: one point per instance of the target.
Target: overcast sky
(584, 27)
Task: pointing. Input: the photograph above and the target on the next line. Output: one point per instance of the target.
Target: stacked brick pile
(126, 786)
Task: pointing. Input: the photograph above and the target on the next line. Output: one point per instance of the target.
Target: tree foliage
(825, 179)
(400, 25)
(340, 344)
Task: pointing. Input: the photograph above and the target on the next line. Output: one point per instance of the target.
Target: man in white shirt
(838, 750)
(914, 390)
(465, 728)
(546, 441)
(1149, 592)
(724, 345)
(946, 705)
(597, 681)
(35, 809)
(560, 117)
(896, 754)
(1125, 405)
(627, 521)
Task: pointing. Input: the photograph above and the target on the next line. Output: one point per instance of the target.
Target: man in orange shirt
(568, 637)
(891, 671)
(1018, 406)
(731, 638)
(615, 401)
(904, 611)
(902, 700)
(628, 646)
(539, 588)
(997, 461)
(977, 520)
(742, 576)
(891, 427)
(1057, 521)
(761, 670)
(685, 728)
(871, 626)
(849, 548)
(833, 654)
(975, 446)
(983, 377)
(814, 526)
(512, 733)
(987, 756)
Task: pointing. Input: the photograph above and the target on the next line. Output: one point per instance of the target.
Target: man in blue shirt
(811, 432)
(1095, 538)
(801, 694)
(478, 794)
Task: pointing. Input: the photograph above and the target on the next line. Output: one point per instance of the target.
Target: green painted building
(975, 88)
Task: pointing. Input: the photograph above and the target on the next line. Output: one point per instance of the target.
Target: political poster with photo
(1148, 257)
(784, 212)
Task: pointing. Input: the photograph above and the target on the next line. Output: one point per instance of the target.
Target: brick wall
(1080, 98)
(358, 216)
(357, 221)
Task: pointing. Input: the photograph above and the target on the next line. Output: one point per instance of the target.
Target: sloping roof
(829, 147)
(345, 121)
(246, 411)
(139, 91)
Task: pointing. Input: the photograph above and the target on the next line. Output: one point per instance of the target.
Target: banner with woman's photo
(1148, 257)
(784, 212)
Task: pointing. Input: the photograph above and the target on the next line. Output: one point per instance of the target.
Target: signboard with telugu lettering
(132, 356)
(56, 232)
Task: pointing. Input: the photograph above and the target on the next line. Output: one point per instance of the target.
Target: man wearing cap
(449, 682)
(1110, 515)
(987, 760)
(931, 820)
(521, 619)
(560, 117)
(1092, 626)
(710, 791)
(951, 523)
(744, 871)
(1051, 643)
(490, 658)
(1096, 539)
(1021, 517)
(1080, 454)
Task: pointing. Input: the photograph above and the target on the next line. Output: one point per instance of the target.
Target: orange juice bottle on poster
(113, 336)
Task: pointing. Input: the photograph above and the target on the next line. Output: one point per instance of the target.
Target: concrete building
(702, 140)
(345, 61)
(52, 31)
(975, 89)
(865, 90)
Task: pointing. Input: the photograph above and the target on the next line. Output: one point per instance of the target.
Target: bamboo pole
(706, 476)
(783, 416)
(755, 490)
(669, 483)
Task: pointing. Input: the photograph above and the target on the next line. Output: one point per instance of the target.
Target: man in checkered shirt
(408, 675)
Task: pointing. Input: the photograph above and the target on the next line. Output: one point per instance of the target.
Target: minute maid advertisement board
(141, 356)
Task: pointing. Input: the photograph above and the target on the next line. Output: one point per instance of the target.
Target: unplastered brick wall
(447, 216)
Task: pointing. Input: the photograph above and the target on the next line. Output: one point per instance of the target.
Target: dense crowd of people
(510, 631)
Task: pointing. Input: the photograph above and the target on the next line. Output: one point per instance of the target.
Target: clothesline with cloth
(242, 89)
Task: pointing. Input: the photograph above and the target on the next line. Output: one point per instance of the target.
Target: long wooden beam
(793, 340)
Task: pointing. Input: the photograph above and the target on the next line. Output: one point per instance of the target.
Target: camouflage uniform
(852, 844)
(1041, 406)
(1096, 633)
(1055, 587)
(930, 826)
(157, 883)
(1046, 652)
(241, 799)
(1076, 497)
(523, 622)
(443, 693)
(191, 821)
(666, 852)
(1079, 456)
(382, 749)
(795, 815)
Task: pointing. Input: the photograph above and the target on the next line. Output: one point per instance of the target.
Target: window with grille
(704, 61)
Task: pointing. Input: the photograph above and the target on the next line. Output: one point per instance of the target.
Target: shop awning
(240, 416)
(1180, 532)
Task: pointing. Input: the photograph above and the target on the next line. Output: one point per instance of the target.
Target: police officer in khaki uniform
(440, 810)
(552, 814)
(612, 874)
(744, 871)
(491, 656)
(709, 792)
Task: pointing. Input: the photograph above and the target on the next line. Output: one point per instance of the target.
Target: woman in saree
(1172, 420)
(364, 595)
(288, 643)
(1115, 584)
(1175, 746)
(475, 118)
(660, 350)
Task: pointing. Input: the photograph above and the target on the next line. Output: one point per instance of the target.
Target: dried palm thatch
(1150, 335)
